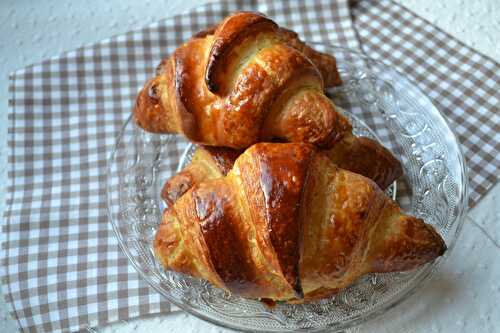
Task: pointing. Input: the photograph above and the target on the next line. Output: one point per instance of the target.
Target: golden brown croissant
(287, 224)
(245, 81)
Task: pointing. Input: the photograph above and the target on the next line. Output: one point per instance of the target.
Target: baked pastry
(248, 80)
(287, 224)
(245, 81)
(207, 163)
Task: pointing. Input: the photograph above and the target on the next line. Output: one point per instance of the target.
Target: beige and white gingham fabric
(62, 267)
(462, 83)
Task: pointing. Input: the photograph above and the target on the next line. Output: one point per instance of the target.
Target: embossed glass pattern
(382, 104)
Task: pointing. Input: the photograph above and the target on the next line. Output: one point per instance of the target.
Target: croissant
(245, 81)
(287, 224)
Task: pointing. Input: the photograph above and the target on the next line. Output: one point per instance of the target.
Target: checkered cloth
(62, 268)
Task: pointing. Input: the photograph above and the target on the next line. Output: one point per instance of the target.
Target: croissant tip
(443, 248)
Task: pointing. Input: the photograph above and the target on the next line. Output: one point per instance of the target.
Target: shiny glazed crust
(287, 224)
(245, 81)
(368, 158)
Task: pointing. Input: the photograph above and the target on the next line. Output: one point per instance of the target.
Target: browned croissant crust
(243, 82)
(368, 158)
(360, 155)
(207, 163)
(287, 224)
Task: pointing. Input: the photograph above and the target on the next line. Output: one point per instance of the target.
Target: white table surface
(464, 296)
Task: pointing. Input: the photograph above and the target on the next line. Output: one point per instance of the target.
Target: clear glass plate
(382, 104)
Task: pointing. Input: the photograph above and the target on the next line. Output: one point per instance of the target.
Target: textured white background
(463, 296)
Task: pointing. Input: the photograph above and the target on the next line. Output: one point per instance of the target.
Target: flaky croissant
(245, 81)
(285, 223)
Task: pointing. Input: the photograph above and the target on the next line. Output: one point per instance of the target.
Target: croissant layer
(285, 223)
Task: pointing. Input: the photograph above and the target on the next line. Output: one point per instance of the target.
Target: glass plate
(382, 104)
